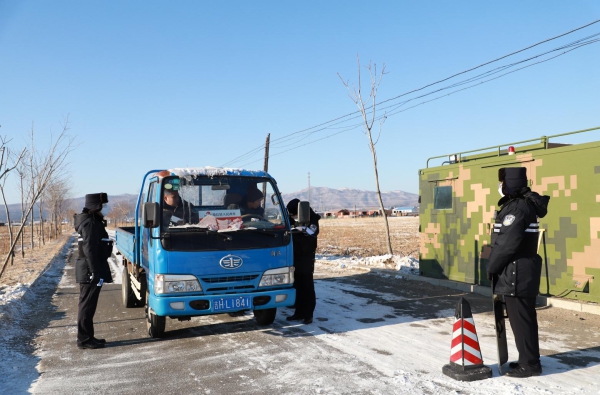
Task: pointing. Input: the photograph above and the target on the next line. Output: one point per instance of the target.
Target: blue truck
(212, 252)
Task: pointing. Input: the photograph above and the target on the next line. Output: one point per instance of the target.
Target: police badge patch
(509, 219)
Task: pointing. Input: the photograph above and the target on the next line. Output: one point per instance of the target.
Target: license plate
(234, 303)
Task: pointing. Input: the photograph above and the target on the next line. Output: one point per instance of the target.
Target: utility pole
(309, 186)
(266, 169)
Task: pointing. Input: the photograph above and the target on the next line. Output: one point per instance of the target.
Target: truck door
(146, 232)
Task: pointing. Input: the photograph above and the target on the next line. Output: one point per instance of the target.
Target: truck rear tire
(265, 317)
(129, 299)
(154, 323)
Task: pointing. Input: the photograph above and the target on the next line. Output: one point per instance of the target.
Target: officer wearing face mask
(91, 267)
(517, 266)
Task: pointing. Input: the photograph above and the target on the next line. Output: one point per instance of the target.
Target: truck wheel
(154, 323)
(265, 317)
(129, 299)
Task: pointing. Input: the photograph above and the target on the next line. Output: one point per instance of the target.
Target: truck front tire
(154, 323)
(265, 317)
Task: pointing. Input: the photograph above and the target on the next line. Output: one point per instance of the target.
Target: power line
(301, 134)
(493, 61)
(574, 45)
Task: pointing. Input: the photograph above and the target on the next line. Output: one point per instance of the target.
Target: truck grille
(215, 280)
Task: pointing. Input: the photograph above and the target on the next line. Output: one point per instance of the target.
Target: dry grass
(366, 236)
(27, 269)
(5, 239)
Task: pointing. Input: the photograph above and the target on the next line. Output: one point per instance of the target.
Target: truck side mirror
(150, 215)
(275, 200)
(304, 212)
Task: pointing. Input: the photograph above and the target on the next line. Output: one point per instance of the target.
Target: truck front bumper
(194, 305)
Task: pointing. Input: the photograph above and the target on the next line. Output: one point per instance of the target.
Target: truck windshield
(241, 207)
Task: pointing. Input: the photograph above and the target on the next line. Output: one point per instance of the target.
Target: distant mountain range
(321, 199)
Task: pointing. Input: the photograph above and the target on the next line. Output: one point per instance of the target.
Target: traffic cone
(466, 362)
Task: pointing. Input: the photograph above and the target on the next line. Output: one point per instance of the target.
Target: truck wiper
(191, 229)
(266, 232)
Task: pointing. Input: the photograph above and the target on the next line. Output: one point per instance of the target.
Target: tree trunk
(12, 247)
(385, 220)
(8, 222)
(32, 230)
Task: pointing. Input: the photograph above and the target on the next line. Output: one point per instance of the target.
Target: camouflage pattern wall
(459, 200)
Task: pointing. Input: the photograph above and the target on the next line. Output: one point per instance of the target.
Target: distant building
(343, 213)
(404, 211)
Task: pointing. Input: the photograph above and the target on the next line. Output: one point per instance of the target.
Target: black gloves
(96, 280)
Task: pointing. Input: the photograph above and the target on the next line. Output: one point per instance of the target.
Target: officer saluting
(514, 260)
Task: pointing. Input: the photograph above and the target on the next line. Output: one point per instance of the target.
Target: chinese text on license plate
(234, 303)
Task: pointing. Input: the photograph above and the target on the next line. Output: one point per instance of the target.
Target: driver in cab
(252, 202)
(176, 211)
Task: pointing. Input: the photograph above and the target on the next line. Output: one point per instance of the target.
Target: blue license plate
(232, 304)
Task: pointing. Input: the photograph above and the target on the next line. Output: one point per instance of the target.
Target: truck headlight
(173, 283)
(274, 277)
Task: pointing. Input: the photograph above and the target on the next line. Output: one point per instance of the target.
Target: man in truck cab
(251, 204)
(176, 211)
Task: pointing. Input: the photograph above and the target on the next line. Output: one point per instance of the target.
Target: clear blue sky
(149, 84)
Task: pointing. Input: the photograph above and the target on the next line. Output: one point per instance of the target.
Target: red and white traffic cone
(466, 362)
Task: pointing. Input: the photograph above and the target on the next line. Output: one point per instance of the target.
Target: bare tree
(48, 165)
(8, 162)
(22, 173)
(369, 118)
(32, 179)
(118, 211)
(55, 196)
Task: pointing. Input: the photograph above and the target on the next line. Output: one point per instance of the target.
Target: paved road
(372, 334)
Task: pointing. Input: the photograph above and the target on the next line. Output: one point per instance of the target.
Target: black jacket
(183, 211)
(514, 257)
(305, 244)
(93, 251)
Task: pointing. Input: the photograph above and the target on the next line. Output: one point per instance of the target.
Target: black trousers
(88, 301)
(306, 299)
(523, 321)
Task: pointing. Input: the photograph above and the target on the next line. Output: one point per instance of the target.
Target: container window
(442, 198)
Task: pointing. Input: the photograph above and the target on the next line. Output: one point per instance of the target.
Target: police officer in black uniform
(91, 267)
(515, 262)
(304, 237)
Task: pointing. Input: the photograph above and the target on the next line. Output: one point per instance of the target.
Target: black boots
(295, 317)
(91, 344)
(522, 371)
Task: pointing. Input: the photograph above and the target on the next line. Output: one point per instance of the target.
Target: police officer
(517, 266)
(304, 238)
(91, 267)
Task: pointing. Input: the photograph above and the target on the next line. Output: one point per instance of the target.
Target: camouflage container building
(459, 199)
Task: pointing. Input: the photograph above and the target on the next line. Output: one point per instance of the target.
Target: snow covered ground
(349, 330)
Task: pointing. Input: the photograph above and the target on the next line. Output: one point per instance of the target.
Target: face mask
(105, 209)
(500, 190)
